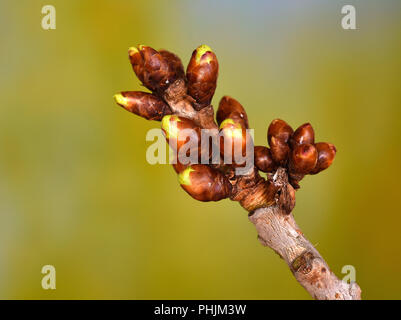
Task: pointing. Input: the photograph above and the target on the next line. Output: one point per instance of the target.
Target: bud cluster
(182, 102)
(294, 150)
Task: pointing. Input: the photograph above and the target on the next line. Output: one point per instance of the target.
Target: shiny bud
(304, 134)
(153, 68)
(143, 104)
(174, 62)
(180, 132)
(137, 63)
(229, 107)
(303, 158)
(279, 129)
(202, 72)
(263, 159)
(204, 183)
(326, 153)
(279, 150)
(233, 141)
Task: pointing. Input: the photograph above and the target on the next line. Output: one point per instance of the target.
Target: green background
(76, 191)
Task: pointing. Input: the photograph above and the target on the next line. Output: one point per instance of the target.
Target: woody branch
(181, 101)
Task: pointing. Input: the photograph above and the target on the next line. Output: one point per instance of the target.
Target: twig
(279, 231)
(186, 100)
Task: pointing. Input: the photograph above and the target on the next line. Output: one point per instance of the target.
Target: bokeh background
(76, 191)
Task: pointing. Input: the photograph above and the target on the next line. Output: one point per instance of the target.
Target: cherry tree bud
(183, 136)
(304, 134)
(143, 104)
(174, 62)
(233, 142)
(204, 183)
(229, 108)
(263, 159)
(279, 129)
(303, 158)
(326, 153)
(202, 72)
(153, 68)
(279, 150)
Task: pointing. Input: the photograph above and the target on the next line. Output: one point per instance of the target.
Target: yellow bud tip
(132, 51)
(121, 100)
(168, 127)
(200, 51)
(231, 122)
(235, 132)
(184, 178)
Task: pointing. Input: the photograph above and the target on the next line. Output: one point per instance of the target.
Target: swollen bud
(137, 63)
(204, 183)
(263, 159)
(182, 132)
(154, 68)
(279, 150)
(174, 62)
(202, 72)
(143, 104)
(233, 141)
(303, 158)
(230, 108)
(304, 134)
(326, 153)
(279, 129)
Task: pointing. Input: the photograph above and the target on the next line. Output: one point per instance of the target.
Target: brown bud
(229, 108)
(263, 159)
(233, 141)
(174, 62)
(304, 134)
(180, 132)
(279, 150)
(202, 75)
(153, 68)
(204, 183)
(279, 129)
(143, 104)
(303, 158)
(326, 153)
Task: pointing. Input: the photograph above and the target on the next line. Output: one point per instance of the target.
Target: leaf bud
(326, 153)
(279, 150)
(183, 135)
(143, 104)
(279, 129)
(263, 159)
(233, 142)
(202, 72)
(303, 158)
(304, 134)
(229, 107)
(153, 68)
(204, 183)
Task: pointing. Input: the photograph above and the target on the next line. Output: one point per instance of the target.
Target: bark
(270, 206)
(280, 232)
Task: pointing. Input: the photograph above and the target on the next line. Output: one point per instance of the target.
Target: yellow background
(76, 191)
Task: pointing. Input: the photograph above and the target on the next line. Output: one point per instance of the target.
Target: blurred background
(76, 191)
